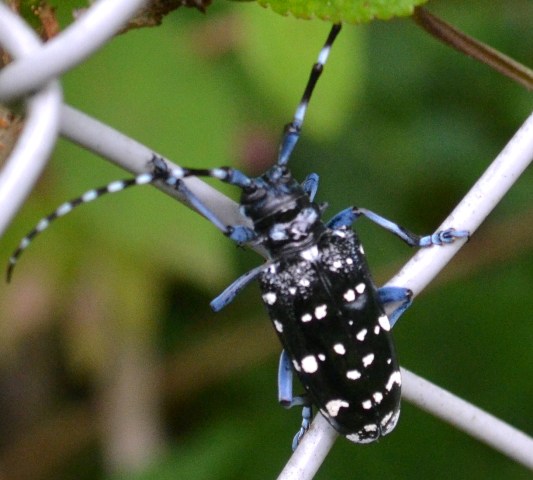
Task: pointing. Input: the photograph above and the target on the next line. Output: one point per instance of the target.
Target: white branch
(468, 418)
(72, 46)
(33, 74)
(134, 157)
(39, 134)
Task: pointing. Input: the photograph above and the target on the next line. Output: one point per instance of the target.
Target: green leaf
(350, 11)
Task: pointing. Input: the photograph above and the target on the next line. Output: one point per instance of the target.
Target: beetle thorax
(284, 218)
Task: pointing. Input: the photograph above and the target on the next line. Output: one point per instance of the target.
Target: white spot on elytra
(366, 435)
(354, 437)
(333, 406)
(386, 418)
(309, 364)
(360, 288)
(306, 317)
(367, 404)
(292, 290)
(391, 423)
(371, 427)
(310, 254)
(337, 264)
(368, 359)
(394, 378)
(278, 325)
(349, 261)
(361, 335)
(349, 295)
(304, 282)
(383, 320)
(377, 396)
(376, 330)
(353, 374)
(339, 348)
(321, 357)
(361, 249)
(270, 298)
(321, 311)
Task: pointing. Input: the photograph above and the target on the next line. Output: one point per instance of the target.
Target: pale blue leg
(287, 400)
(310, 185)
(395, 295)
(347, 217)
(235, 288)
(238, 233)
(307, 417)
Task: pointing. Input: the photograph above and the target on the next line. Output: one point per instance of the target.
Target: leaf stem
(481, 52)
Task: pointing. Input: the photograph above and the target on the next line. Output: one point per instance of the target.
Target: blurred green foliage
(399, 124)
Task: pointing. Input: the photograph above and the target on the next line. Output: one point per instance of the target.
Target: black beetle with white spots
(315, 284)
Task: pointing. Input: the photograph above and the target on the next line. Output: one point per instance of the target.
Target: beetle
(316, 285)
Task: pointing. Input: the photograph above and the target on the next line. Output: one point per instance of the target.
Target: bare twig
(473, 48)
